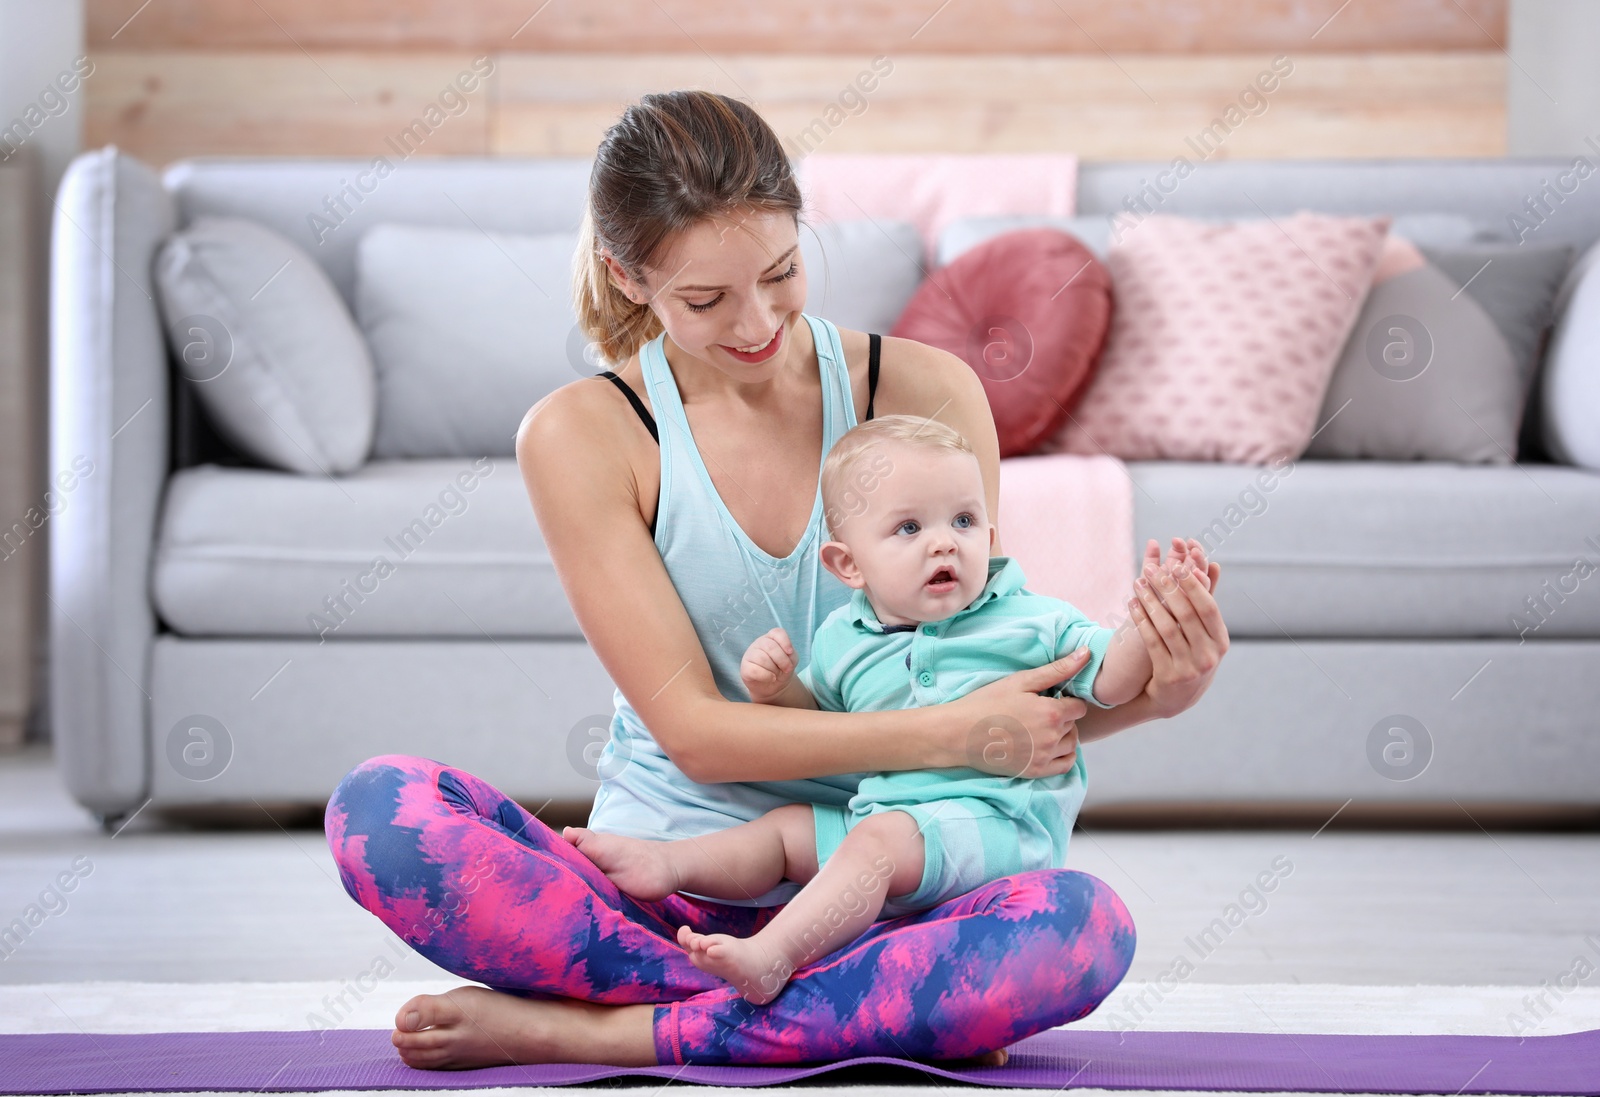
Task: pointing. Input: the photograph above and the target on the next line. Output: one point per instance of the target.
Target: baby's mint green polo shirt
(976, 826)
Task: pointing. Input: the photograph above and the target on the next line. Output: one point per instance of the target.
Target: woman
(679, 502)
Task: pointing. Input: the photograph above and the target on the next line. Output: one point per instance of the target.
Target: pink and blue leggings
(483, 889)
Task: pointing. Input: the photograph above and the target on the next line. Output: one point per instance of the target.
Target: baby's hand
(1190, 554)
(767, 666)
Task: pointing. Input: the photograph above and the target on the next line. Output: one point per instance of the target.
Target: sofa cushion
(1442, 230)
(399, 548)
(1314, 548)
(932, 190)
(469, 329)
(1387, 549)
(261, 333)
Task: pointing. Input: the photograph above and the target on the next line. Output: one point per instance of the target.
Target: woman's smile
(759, 353)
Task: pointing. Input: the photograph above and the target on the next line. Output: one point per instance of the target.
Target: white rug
(1194, 1007)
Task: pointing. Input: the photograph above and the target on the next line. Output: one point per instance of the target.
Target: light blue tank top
(733, 591)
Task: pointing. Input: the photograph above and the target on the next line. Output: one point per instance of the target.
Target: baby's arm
(768, 672)
(1125, 671)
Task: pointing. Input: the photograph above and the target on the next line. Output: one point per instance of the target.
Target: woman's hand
(1006, 728)
(1182, 629)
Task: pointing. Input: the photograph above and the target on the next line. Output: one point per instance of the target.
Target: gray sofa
(1361, 596)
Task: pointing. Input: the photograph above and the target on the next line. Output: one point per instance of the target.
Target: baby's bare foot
(639, 868)
(755, 973)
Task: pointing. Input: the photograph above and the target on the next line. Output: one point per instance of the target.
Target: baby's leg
(880, 857)
(741, 862)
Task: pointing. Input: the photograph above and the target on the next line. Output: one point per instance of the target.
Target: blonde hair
(855, 466)
(673, 159)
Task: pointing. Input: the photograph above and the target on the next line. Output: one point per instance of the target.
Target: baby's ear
(837, 558)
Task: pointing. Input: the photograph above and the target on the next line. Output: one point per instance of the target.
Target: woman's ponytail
(613, 324)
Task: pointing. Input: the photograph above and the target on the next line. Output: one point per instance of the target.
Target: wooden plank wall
(1129, 80)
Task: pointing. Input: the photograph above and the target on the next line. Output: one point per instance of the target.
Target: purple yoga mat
(60, 1063)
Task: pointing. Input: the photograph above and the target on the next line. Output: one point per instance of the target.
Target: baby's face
(920, 544)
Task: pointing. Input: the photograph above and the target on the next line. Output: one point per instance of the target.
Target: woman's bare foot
(639, 868)
(473, 1026)
(757, 974)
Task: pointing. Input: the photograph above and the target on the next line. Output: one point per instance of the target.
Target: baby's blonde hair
(855, 466)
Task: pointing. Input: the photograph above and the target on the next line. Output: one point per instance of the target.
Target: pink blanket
(932, 190)
(1068, 520)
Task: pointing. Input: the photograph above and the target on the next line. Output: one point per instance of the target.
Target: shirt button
(926, 678)
(929, 630)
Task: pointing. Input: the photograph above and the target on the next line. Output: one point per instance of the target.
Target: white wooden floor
(1349, 906)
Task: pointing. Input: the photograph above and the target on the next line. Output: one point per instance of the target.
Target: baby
(933, 617)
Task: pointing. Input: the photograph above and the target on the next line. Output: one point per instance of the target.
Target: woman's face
(728, 284)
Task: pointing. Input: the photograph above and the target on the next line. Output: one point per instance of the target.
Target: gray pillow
(1438, 364)
(966, 233)
(861, 275)
(267, 342)
(1435, 229)
(1569, 385)
(468, 330)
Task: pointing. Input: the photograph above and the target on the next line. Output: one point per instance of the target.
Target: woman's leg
(1001, 963)
(480, 887)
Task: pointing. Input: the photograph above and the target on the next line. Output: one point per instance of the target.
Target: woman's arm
(572, 451)
(1098, 723)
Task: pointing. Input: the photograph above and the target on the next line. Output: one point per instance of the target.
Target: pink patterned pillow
(1225, 336)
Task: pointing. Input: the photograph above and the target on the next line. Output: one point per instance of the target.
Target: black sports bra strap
(633, 398)
(874, 341)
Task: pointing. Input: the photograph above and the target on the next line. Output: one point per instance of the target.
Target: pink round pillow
(1029, 312)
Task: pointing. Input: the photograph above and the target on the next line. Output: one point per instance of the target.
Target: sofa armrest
(109, 408)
